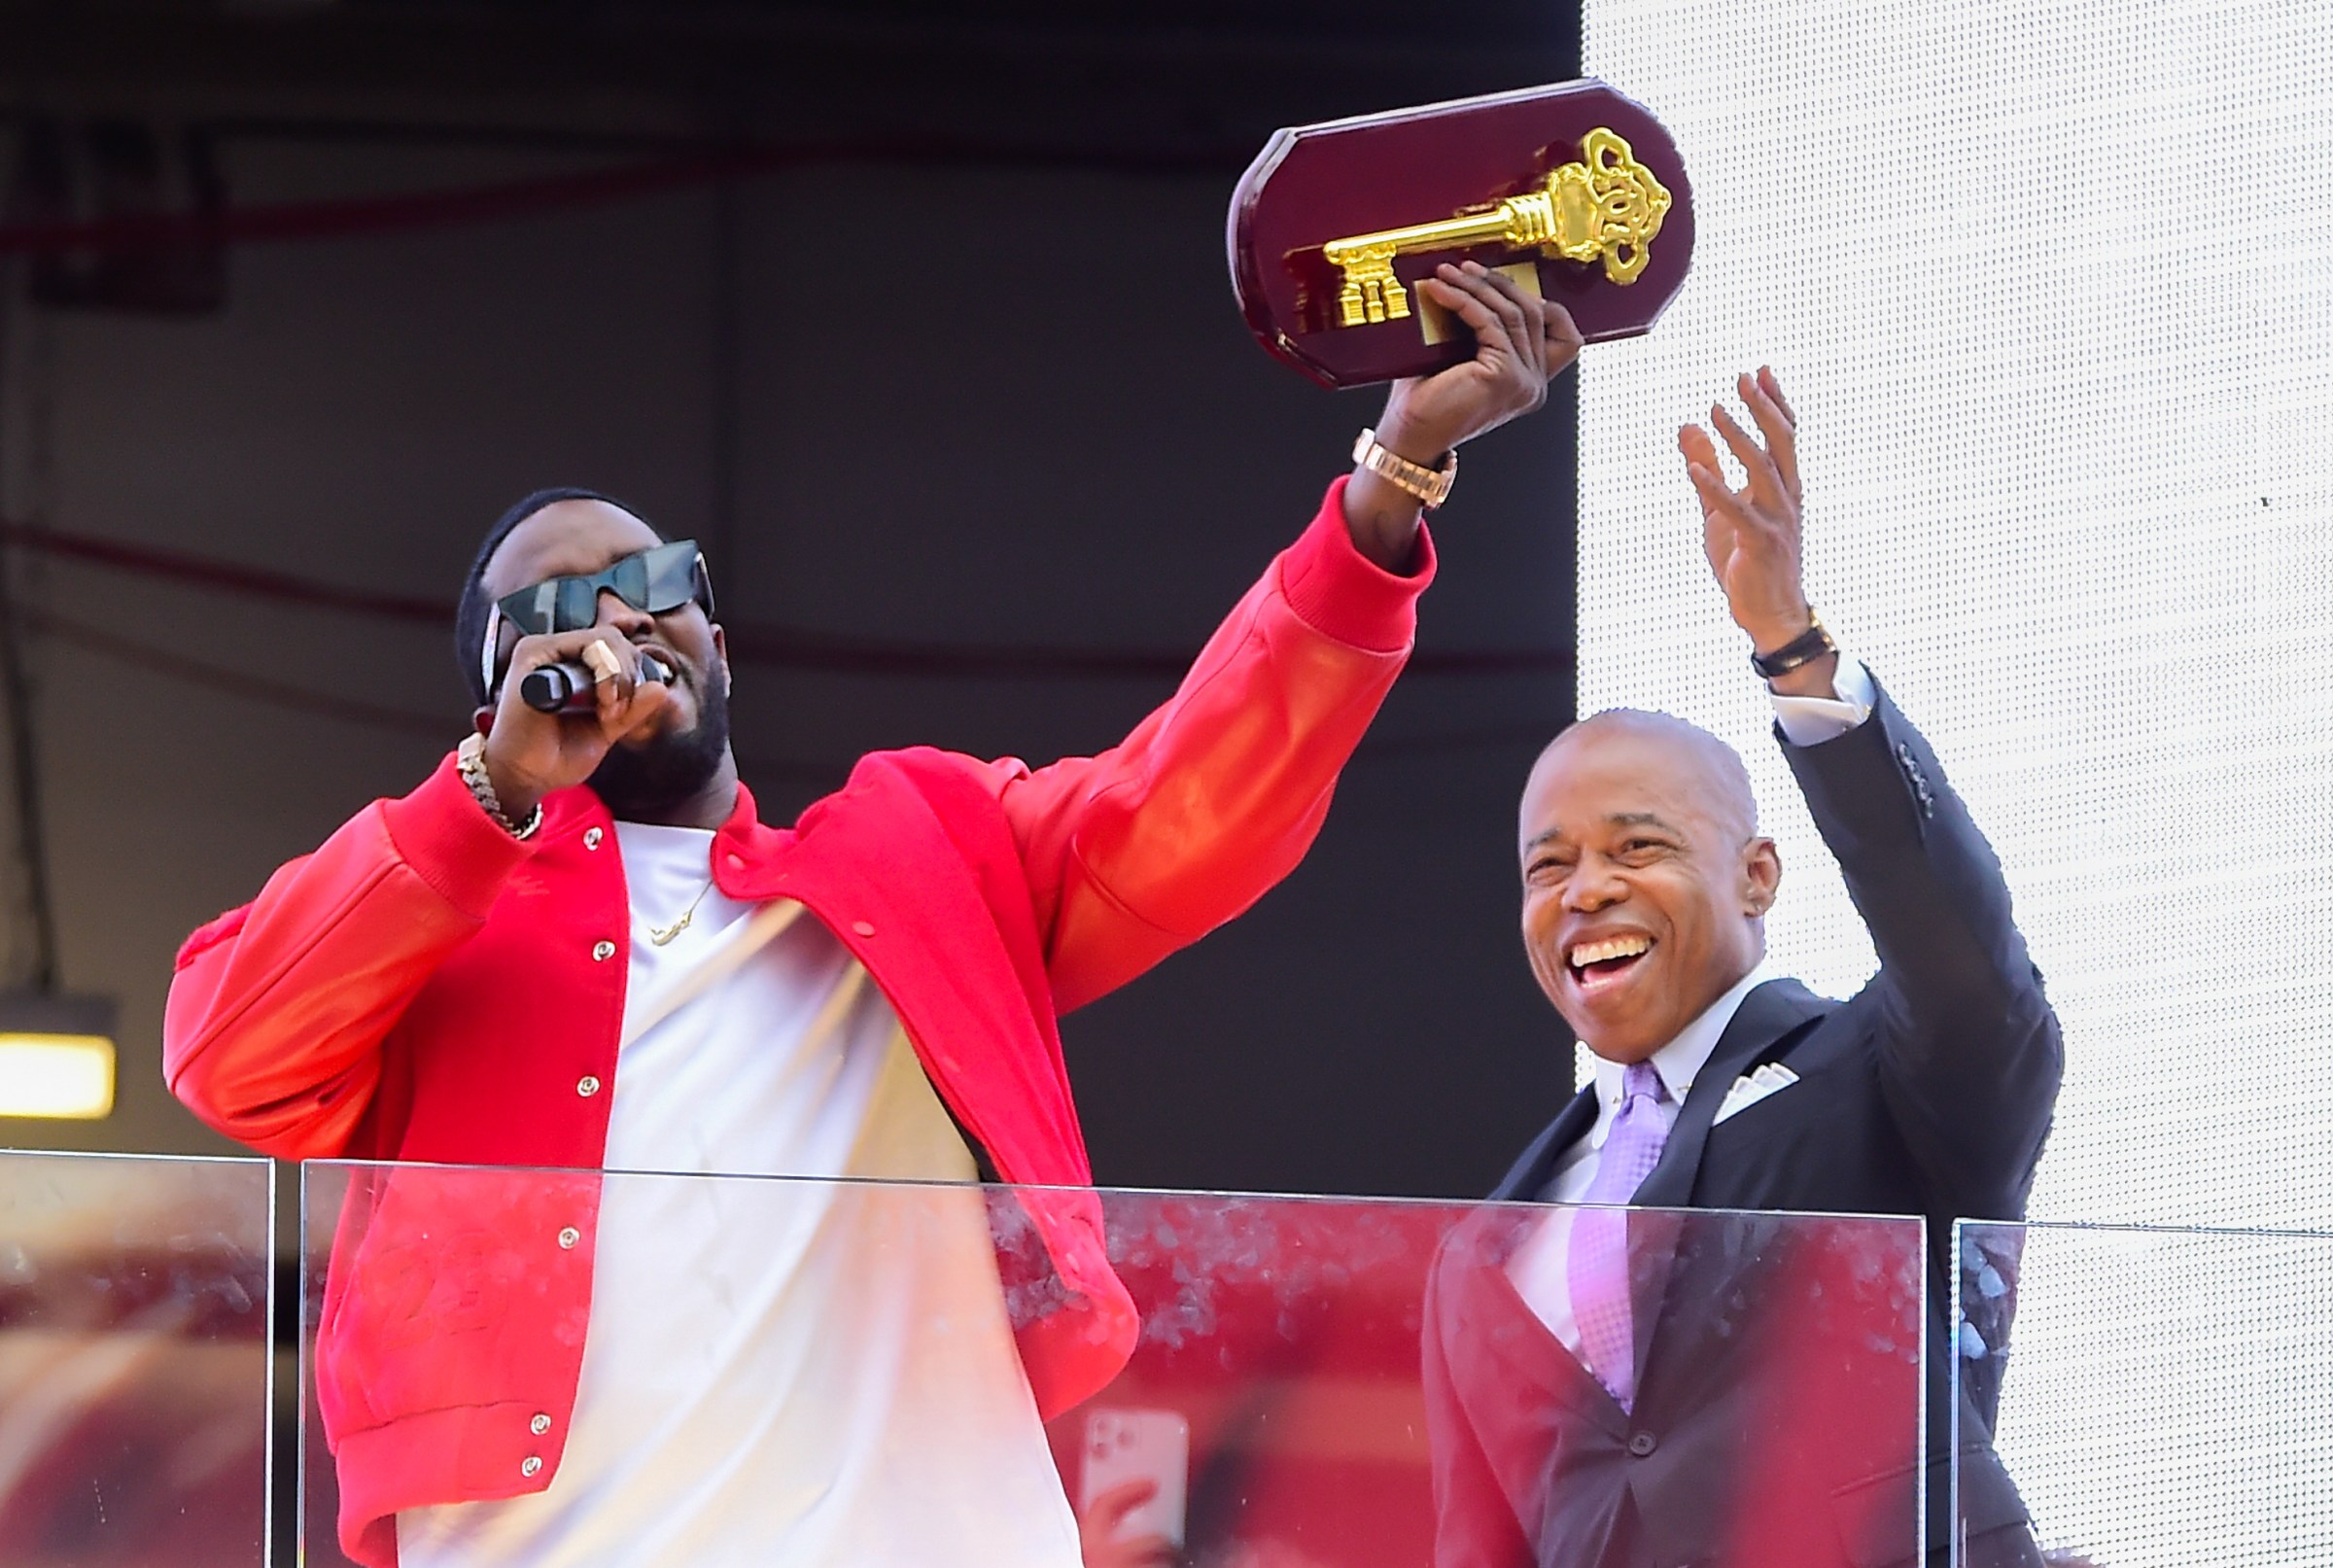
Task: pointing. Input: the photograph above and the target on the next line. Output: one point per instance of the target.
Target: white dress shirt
(1678, 1062)
(1539, 1266)
(1812, 721)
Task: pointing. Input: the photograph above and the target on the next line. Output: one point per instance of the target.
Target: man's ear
(483, 720)
(1761, 875)
(720, 649)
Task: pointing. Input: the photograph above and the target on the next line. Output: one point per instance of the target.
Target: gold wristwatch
(1432, 486)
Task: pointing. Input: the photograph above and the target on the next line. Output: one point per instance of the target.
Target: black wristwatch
(1804, 649)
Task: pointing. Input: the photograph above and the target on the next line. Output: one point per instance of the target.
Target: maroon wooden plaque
(1573, 184)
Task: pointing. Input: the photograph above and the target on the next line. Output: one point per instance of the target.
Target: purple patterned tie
(1597, 1267)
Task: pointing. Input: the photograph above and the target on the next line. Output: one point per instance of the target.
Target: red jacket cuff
(445, 836)
(1342, 593)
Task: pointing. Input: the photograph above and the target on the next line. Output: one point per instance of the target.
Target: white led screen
(2052, 287)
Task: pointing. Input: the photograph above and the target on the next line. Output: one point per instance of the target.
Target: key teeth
(1371, 298)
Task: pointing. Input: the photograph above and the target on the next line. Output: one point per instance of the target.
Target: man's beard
(647, 783)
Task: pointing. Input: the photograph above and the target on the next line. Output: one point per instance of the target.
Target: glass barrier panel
(2162, 1399)
(553, 1368)
(134, 1361)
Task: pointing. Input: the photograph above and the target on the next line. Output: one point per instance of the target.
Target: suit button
(863, 928)
(531, 1465)
(602, 951)
(1917, 777)
(539, 1425)
(587, 1086)
(568, 1237)
(1642, 1443)
(592, 837)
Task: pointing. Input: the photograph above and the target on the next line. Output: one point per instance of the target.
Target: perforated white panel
(2052, 287)
(2167, 1393)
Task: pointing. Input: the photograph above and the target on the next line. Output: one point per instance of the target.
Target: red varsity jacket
(424, 987)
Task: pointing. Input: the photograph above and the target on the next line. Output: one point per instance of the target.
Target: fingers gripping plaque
(1571, 188)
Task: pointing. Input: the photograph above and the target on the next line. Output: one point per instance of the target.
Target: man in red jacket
(574, 946)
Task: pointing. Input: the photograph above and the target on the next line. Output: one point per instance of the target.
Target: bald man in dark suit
(1740, 1394)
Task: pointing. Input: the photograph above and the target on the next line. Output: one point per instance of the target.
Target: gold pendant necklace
(660, 938)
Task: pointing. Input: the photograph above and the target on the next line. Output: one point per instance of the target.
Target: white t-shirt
(803, 1373)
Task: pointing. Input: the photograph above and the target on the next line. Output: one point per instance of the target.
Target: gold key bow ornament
(1607, 207)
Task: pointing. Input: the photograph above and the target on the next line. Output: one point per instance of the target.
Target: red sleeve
(277, 1015)
(1216, 795)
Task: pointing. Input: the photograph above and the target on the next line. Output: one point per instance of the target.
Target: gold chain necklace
(660, 938)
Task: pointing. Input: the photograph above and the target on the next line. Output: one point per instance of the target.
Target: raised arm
(1965, 1036)
(1217, 795)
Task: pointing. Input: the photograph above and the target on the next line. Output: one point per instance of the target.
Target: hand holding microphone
(568, 697)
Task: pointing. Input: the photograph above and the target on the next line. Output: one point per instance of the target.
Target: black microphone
(569, 689)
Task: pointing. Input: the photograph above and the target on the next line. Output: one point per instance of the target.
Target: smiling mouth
(1606, 961)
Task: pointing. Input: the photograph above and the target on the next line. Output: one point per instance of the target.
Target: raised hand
(1753, 536)
(1521, 343)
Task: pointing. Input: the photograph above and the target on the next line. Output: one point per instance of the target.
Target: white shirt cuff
(1812, 721)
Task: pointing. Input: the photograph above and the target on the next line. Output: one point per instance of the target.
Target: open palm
(1753, 536)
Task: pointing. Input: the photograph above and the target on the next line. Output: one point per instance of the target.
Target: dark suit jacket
(1928, 1094)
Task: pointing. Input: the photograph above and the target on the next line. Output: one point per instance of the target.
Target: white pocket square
(1752, 1087)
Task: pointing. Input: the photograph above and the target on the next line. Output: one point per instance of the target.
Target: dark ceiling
(1194, 84)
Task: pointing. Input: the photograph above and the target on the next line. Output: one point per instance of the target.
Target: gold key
(1606, 207)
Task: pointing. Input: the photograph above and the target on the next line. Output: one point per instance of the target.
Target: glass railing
(2164, 1398)
(134, 1361)
(556, 1367)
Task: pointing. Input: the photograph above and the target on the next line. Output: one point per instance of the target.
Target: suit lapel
(1530, 1175)
(1767, 1014)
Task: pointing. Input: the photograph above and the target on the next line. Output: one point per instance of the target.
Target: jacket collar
(740, 844)
(1681, 1061)
(1773, 1009)
(1767, 1015)
(583, 804)
(742, 825)
(1529, 1176)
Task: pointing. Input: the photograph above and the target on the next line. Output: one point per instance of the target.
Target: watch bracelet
(469, 760)
(1430, 486)
(1800, 651)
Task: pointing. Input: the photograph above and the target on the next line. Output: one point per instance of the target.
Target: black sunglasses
(655, 580)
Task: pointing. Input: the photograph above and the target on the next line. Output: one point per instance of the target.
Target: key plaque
(1571, 188)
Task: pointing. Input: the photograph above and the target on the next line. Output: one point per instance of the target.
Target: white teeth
(1611, 946)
